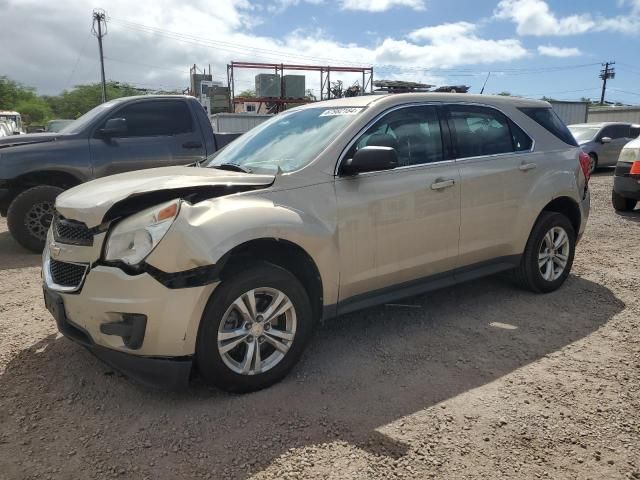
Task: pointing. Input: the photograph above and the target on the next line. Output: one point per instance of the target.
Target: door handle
(440, 184)
(527, 166)
(192, 144)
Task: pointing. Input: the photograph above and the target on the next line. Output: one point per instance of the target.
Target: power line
(75, 65)
(262, 53)
(625, 91)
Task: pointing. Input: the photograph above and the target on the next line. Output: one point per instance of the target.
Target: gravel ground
(480, 380)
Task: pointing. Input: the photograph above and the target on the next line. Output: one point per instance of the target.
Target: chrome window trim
(46, 272)
(476, 104)
(436, 104)
(374, 120)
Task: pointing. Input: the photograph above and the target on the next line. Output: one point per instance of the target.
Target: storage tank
(267, 85)
(294, 86)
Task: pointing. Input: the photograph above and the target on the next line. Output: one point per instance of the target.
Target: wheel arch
(53, 178)
(283, 253)
(568, 207)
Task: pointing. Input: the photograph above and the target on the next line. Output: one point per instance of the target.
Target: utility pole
(608, 72)
(100, 17)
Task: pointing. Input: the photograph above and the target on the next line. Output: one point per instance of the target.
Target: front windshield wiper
(233, 167)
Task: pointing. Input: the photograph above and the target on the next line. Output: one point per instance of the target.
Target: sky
(531, 47)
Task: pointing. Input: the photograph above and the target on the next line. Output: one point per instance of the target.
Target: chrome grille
(71, 231)
(65, 274)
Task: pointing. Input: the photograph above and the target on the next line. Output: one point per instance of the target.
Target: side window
(479, 131)
(550, 121)
(620, 131)
(521, 141)
(156, 118)
(414, 132)
(634, 131)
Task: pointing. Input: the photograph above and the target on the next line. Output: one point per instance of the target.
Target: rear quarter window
(548, 119)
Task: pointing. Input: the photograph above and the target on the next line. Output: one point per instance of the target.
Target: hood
(120, 195)
(13, 140)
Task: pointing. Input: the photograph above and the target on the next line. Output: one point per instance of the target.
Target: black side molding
(421, 285)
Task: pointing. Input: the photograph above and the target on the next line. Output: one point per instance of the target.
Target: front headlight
(629, 155)
(134, 238)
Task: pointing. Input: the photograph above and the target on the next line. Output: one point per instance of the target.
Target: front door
(399, 225)
(159, 133)
(609, 152)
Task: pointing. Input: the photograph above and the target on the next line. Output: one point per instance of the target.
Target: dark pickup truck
(130, 133)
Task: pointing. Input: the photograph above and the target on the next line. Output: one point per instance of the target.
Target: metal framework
(277, 104)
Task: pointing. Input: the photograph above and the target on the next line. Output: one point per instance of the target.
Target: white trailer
(236, 122)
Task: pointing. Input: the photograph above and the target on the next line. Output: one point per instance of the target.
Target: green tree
(504, 94)
(247, 93)
(82, 98)
(35, 111)
(12, 93)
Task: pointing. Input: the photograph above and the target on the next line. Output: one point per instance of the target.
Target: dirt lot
(481, 380)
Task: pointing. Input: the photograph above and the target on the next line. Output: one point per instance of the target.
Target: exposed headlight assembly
(134, 238)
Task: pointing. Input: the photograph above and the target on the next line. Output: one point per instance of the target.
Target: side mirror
(114, 127)
(605, 140)
(370, 159)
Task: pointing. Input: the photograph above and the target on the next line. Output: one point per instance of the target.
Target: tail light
(585, 164)
(635, 169)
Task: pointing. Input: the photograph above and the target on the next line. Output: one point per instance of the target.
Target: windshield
(288, 141)
(584, 134)
(78, 124)
(13, 120)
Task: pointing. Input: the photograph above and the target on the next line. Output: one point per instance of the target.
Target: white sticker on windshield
(332, 112)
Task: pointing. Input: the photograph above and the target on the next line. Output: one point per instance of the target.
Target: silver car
(604, 141)
(322, 210)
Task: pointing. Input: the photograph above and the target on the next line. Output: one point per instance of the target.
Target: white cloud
(156, 58)
(562, 52)
(448, 45)
(381, 5)
(446, 30)
(534, 17)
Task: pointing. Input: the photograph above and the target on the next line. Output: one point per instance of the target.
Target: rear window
(547, 118)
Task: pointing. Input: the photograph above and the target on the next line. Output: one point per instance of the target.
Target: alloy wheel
(256, 331)
(554, 254)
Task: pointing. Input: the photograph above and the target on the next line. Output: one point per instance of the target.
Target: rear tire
(548, 256)
(244, 343)
(30, 214)
(622, 204)
(593, 165)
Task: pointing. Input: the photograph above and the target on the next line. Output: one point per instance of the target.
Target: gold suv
(229, 263)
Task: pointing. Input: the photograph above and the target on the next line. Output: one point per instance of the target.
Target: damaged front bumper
(164, 372)
(143, 324)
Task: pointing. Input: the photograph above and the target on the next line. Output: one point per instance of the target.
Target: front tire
(30, 214)
(548, 256)
(622, 204)
(254, 329)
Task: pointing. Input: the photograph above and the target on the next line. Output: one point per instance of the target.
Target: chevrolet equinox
(226, 265)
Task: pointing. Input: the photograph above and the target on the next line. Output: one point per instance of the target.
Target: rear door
(160, 132)
(396, 226)
(497, 169)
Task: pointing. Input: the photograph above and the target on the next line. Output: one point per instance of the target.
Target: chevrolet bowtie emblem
(55, 250)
